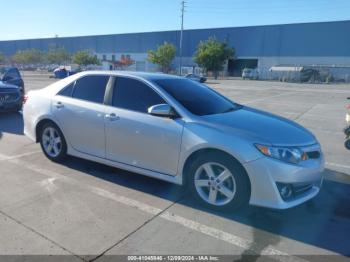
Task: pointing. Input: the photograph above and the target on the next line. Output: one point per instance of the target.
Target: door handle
(59, 105)
(112, 117)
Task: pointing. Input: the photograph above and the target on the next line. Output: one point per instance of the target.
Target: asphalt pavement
(89, 211)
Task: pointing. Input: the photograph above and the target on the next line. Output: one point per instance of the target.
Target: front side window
(195, 97)
(131, 94)
(91, 88)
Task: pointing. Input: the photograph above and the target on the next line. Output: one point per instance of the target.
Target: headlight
(292, 155)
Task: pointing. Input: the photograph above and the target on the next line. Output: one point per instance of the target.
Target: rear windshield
(195, 97)
(10, 73)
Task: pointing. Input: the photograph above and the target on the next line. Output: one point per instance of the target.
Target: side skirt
(172, 179)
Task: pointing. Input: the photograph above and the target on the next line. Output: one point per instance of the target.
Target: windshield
(195, 97)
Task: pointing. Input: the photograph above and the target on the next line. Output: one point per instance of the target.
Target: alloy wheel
(52, 142)
(215, 184)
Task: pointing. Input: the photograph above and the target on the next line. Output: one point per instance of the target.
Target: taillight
(25, 98)
(348, 107)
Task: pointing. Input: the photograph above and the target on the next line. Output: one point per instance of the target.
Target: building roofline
(174, 31)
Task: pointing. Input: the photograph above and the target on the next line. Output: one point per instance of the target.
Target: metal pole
(181, 34)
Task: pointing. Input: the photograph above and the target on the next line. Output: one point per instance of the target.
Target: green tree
(163, 56)
(57, 55)
(212, 55)
(28, 56)
(84, 58)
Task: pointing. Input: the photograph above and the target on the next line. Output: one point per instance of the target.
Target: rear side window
(134, 95)
(67, 91)
(91, 88)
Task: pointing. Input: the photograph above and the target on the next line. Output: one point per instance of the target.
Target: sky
(26, 19)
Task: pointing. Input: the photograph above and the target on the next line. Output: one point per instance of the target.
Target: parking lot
(91, 211)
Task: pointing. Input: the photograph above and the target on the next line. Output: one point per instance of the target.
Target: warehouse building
(324, 45)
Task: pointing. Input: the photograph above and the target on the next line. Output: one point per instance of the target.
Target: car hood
(262, 127)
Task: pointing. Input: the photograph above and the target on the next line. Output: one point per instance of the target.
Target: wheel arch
(209, 150)
(40, 125)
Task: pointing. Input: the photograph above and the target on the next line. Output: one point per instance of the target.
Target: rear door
(137, 138)
(79, 109)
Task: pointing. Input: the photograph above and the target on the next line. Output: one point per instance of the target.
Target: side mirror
(162, 110)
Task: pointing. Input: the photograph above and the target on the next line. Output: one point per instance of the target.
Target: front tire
(219, 182)
(53, 143)
(347, 144)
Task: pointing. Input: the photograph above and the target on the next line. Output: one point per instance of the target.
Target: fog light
(286, 191)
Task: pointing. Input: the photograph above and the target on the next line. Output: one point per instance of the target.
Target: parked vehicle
(197, 78)
(347, 128)
(181, 131)
(309, 75)
(65, 71)
(249, 73)
(61, 72)
(11, 89)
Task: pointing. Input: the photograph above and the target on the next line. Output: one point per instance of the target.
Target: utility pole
(56, 40)
(182, 29)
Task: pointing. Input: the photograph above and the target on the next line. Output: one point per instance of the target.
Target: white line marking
(227, 237)
(255, 248)
(265, 98)
(252, 246)
(5, 158)
(125, 200)
(337, 165)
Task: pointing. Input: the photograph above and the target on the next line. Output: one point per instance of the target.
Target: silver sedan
(181, 131)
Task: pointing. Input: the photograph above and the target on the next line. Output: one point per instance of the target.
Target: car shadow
(12, 123)
(323, 222)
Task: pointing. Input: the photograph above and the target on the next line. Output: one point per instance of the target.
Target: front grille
(8, 97)
(300, 189)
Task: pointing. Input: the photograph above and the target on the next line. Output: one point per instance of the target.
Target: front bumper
(347, 128)
(266, 173)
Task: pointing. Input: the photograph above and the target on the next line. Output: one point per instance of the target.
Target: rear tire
(218, 181)
(53, 143)
(19, 108)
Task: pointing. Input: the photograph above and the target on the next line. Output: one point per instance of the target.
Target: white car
(249, 73)
(181, 131)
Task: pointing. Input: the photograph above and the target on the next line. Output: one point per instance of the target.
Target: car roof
(57, 86)
(7, 68)
(144, 75)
